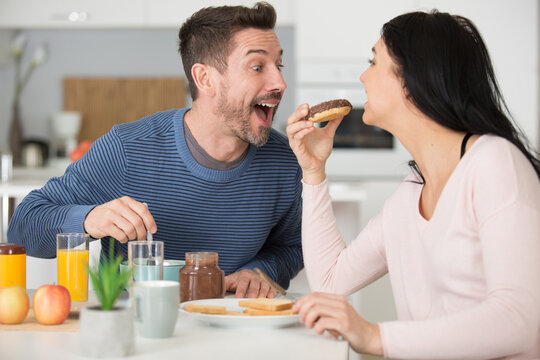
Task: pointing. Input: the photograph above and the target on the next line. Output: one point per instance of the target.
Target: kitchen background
(326, 48)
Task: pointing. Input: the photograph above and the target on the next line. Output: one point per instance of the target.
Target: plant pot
(106, 333)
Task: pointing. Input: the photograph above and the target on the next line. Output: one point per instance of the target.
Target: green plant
(108, 279)
(17, 49)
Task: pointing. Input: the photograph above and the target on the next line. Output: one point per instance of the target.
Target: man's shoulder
(278, 137)
(277, 147)
(277, 140)
(158, 123)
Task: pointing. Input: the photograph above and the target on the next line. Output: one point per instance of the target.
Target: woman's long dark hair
(447, 71)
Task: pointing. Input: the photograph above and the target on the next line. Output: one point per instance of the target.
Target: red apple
(14, 305)
(51, 304)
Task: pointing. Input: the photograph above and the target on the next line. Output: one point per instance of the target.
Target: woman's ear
(203, 79)
(406, 93)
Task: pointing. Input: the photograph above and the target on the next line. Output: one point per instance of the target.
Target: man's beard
(237, 118)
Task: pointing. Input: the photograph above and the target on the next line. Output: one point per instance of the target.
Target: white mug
(155, 305)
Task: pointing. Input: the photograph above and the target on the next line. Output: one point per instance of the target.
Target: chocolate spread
(201, 277)
(327, 105)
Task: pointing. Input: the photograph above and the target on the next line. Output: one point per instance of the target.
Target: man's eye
(257, 68)
(280, 67)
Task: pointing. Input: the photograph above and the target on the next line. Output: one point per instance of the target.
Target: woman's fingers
(319, 305)
(300, 112)
(333, 313)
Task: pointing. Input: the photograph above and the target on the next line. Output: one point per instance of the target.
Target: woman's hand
(312, 146)
(334, 314)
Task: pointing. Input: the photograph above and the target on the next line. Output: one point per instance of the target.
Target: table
(191, 340)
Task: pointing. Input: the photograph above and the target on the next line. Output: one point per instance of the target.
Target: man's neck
(212, 135)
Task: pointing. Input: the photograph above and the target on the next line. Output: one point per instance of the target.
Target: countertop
(25, 180)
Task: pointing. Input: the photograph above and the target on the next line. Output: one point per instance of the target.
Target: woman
(460, 238)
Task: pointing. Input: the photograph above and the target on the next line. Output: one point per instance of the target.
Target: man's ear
(203, 78)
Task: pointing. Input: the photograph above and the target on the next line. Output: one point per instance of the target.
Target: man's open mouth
(265, 111)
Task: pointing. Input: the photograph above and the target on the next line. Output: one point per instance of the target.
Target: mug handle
(135, 303)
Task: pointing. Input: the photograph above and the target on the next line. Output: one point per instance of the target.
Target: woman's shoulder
(493, 165)
(496, 154)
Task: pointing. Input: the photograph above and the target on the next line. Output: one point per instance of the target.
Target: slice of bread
(267, 304)
(206, 309)
(256, 312)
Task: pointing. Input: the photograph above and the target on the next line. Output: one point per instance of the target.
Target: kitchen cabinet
(28, 14)
(97, 14)
(346, 29)
(172, 13)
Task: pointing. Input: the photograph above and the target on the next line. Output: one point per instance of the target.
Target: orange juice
(13, 270)
(72, 273)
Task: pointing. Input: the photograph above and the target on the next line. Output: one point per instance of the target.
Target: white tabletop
(191, 340)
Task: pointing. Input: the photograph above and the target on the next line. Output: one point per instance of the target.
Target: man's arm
(64, 202)
(280, 257)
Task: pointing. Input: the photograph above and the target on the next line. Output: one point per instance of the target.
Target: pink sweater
(466, 283)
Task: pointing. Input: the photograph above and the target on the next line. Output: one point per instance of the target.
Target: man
(215, 177)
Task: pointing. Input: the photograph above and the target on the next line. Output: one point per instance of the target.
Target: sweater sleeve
(63, 203)
(331, 266)
(281, 255)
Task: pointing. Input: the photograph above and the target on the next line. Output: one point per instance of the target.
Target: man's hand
(124, 219)
(247, 283)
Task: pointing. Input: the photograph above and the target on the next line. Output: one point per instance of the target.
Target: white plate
(270, 321)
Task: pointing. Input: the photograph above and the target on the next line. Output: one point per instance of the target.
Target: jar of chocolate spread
(201, 277)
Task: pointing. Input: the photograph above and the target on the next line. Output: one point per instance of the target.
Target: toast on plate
(206, 309)
(267, 304)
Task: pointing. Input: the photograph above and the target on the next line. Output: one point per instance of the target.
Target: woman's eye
(280, 67)
(257, 68)
(370, 61)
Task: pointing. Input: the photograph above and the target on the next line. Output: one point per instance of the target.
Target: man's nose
(276, 82)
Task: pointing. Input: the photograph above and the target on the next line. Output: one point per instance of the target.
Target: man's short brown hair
(206, 37)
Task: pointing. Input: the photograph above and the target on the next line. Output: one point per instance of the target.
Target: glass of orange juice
(71, 260)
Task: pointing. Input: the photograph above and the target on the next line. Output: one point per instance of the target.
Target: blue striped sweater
(250, 215)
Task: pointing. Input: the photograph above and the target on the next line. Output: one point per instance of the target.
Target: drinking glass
(145, 259)
(71, 261)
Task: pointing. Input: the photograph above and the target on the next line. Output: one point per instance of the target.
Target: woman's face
(384, 88)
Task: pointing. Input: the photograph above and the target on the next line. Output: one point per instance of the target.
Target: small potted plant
(106, 330)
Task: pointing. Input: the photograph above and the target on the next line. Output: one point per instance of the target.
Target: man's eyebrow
(261, 51)
(256, 51)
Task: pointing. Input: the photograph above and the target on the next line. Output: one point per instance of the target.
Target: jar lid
(11, 249)
(202, 258)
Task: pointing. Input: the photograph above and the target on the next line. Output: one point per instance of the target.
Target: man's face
(251, 87)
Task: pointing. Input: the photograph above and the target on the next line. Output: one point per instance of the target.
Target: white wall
(509, 28)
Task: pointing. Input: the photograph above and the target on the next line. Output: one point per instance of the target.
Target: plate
(269, 321)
